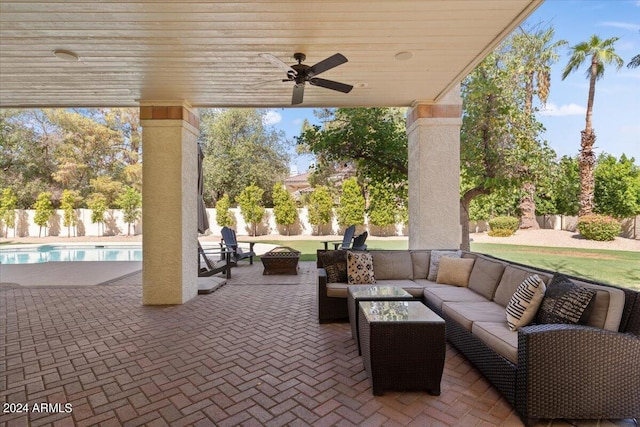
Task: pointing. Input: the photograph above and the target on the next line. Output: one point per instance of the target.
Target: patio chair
(230, 241)
(358, 242)
(346, 239)
(210, 267)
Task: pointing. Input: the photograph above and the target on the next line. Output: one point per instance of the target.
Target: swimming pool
(54, 253)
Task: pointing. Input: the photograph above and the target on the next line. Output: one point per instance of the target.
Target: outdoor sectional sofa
(545, 371)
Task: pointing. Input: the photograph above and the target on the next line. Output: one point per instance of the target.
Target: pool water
(53, 253)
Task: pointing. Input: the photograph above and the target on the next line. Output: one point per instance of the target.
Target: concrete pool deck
(76, 273)
(68, 273)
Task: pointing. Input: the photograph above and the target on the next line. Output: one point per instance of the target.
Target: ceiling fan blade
(298, 94)
(326, 64)
(330, 84)
(278, 63)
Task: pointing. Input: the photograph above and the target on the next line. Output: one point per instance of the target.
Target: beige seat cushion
(410, 286)
(498, 337)
(465, 313)
(392, 265)
(337, 290)
(511, 279)
(445, 293)
(485, 276)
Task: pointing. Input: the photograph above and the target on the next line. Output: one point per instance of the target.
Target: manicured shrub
(500, 232)
(599, 227)
(503, 226)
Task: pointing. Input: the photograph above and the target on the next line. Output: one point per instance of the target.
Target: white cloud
(623, 25)
(271, 117)
(564, 110)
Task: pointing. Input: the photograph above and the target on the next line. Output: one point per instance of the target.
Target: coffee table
(357, 293)
(403, 345)
(280, 260)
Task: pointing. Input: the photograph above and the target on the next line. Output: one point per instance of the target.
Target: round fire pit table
(280, 260)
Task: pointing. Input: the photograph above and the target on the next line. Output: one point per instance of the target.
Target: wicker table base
(403, 345)
(359, 293)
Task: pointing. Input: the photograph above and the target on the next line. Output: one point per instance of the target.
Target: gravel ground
(558, 238)
(554, 238)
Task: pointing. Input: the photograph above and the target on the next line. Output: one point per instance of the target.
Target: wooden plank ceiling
(207, 52)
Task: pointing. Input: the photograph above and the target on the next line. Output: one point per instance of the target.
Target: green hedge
(599, 227)
(503, 226)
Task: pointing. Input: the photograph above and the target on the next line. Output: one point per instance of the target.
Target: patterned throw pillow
(566, 302)
(525, 302)
(335, 264)
(360, 268)
(434, 262)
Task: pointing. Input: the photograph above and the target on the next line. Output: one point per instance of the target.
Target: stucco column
(169, 202)
(434, 173)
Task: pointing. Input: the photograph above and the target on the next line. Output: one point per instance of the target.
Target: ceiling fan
(301, 73)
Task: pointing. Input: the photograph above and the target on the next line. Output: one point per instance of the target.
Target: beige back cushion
(392, 265)
(511, 279)
(608, 307)
(420, 261)
(485, 276)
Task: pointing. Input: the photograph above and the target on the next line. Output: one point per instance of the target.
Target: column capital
(169, 110)
(433, 111)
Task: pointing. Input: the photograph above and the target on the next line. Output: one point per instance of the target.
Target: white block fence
(115, 226)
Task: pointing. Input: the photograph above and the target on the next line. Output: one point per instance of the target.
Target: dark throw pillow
(335, 264)
(565, 302)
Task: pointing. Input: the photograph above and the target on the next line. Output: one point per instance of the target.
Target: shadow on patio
(251, 353)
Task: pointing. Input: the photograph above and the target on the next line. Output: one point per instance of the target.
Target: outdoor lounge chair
(230, 241)
(358, 242)
(346, 239)
(213, 267)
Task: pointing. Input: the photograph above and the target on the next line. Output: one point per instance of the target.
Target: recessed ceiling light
(65, 55)
(404, 56)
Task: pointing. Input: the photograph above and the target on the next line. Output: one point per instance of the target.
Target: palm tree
(635, 62)
(600, 52)
(538, 52)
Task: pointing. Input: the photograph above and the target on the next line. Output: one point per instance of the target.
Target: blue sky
(616, 112)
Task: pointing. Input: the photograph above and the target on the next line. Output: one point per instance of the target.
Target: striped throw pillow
(524, 303)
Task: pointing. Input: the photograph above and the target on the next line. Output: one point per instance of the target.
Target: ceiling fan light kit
(301, 73)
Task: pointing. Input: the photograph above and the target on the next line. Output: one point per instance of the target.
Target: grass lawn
(615, 267)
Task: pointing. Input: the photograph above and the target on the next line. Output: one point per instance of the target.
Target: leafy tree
(224, 217)
(374, 139)
(44, 210)
(598, 53)
(493, 123)
(284, 207)
(617, 187)
(533, 53)
(251, 207)
(383, 206)
(320, 207)
(98, 204)
(239, 149)
(8, 204)
(352, 204)
(108, 187)
(68, 203)
(130, 202)
(566, 183)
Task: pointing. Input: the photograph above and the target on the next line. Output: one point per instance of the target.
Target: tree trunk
(528, 207)
(586, 161)
(465, 200)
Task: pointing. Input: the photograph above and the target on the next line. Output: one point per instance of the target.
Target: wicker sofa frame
(545, 383)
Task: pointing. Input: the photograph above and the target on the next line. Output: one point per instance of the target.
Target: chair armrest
(567, 371)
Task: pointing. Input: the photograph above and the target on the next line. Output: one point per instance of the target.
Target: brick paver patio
(251, 353)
